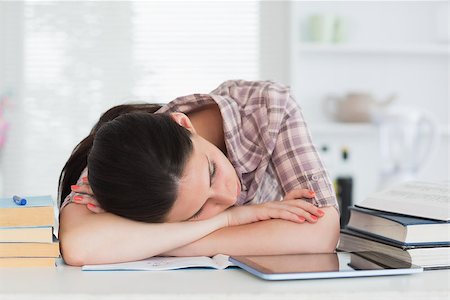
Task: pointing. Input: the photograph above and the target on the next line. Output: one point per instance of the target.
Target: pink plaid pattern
(267, 140)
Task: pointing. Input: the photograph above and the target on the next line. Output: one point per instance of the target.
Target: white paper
(218, 261)
(415, 198)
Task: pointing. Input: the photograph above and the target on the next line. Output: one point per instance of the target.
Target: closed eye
(197, 214)
(212, 171)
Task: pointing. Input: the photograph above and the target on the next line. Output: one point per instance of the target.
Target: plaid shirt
(267, 140)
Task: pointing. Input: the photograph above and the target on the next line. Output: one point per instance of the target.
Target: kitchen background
(372, 77)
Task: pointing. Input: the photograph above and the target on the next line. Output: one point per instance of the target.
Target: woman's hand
(295, 210)
(311, 211)
(299, 194)
(83, 195)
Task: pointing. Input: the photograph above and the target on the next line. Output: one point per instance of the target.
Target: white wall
(274, 40)
(392, 47)
(68, 61)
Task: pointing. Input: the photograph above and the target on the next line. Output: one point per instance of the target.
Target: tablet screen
(325, 263)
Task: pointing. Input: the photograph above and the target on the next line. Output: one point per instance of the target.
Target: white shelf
(421, 49)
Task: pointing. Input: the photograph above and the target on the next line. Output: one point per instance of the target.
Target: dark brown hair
(135, 159)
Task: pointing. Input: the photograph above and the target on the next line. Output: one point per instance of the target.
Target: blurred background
(372, 77)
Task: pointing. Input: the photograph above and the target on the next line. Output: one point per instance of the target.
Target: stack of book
(410, 222)
(26, 233)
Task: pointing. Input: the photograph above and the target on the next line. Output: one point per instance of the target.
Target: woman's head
(209, 184)
(152, 167)
(135, 164)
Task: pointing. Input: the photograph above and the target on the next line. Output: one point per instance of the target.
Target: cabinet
(389, 47)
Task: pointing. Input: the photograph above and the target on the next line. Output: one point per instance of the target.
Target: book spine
(33, 216)
(14, 262)
(29, 249)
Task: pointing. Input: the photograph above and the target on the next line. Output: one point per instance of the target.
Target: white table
(64, 283)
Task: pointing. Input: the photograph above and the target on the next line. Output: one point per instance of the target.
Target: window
(82, 57)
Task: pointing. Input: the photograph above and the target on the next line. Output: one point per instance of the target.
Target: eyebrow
(209, 175)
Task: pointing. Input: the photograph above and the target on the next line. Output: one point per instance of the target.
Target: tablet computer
(324, 265)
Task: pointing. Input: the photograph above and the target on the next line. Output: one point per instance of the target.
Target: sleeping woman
(232, 172)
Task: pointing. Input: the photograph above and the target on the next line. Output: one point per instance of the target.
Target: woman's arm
(89, 238)
(269, 237)
(94, 238)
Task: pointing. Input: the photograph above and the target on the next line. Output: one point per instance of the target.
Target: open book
(218, 261)
(422, 199)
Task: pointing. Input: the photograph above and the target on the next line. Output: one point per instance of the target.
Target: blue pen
(19, 200)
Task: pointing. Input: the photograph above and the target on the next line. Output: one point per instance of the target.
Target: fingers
(82, 188)
(89, 201)
(287, 215)
(95, 208)
(298, 211)
(299, 194)
(85, 180)
(310, 212)
(300, 208)
(83, 199)
(83, 195)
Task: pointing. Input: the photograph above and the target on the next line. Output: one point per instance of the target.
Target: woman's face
(208, 186)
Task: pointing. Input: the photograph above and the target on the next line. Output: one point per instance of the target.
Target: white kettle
(408, 140)
(354, 106)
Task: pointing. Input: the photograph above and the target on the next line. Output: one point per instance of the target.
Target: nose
(220, 199)
(224, 195)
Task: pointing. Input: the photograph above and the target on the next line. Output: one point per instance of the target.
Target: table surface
(65, 282)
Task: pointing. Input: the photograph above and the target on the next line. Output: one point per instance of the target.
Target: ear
(183, 120)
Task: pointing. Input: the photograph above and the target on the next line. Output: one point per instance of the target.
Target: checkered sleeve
(295, 159)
